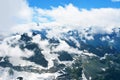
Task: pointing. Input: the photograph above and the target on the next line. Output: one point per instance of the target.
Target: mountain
(61, 54)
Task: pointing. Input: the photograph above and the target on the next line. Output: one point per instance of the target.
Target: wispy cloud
(115, 0)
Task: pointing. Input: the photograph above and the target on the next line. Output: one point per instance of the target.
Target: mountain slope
(61, 54)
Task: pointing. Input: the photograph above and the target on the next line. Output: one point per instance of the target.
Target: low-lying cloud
(18, 12)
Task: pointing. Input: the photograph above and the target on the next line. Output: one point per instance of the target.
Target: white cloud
(71, 15)
(68, 15)
(13, 12)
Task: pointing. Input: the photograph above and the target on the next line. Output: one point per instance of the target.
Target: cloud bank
(18, 12)
(71, 15)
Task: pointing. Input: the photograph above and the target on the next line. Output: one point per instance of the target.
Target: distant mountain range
(60, 54)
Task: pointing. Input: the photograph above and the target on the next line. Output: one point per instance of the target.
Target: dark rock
(64, 56)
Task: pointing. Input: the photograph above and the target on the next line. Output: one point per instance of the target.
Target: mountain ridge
(63, 55)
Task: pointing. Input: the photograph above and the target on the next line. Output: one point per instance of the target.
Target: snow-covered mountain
(61, 53)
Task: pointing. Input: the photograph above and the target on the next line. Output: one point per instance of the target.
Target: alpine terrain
(60, 53)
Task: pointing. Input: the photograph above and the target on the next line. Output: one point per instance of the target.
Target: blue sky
(87, 4)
